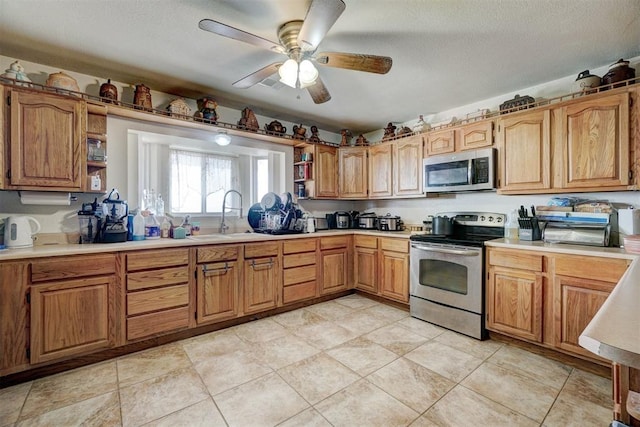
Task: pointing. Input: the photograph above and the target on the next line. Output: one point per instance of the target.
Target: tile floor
(346, 362)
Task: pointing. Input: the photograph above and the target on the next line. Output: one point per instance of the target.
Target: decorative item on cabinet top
(108, 92)
(361, 141)
(142, 97)
(299, 132)
(248, 121)
(207, 110)
(585, 82)
(178, 107)
(347, 137)
(403, 131)
(421, 125)
(619, 72)
(516, 104)
(314, 135)
(16, 72)
(62, 80)
(275, 128)
(389, 132)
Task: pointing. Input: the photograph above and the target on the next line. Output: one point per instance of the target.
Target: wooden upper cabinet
(595, 142)
(46, 140)
(440, 142)
(326, 171)
(475, 135)
(524, 145)
(407, 166)
(380, 171)
(353, 173)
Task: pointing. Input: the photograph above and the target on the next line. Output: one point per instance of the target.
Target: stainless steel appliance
(343, 220)
(579, 228)
(447, 272)
(466, 171)
(390, 223)
(368, 221)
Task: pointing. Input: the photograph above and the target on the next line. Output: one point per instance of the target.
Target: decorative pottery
(142, 97)
(404, 130)
(299, 132)
(109, 92)
(585, 82)
(275, 128)
(248, 120)
(16, 72)
(618, 72)
(178, 107)
(389, 132)
(347, 137)
(207, 110)
(314, 135)
(516, 104)
(421, 125)
(361, 140)
(61, 80)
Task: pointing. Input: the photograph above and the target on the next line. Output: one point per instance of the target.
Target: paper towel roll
(45, 198)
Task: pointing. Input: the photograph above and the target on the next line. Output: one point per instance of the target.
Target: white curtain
(199, 180)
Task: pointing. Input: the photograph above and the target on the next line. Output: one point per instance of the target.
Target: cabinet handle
(216, 271)
(263, 266)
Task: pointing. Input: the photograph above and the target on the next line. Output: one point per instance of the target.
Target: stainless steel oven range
(447, 272)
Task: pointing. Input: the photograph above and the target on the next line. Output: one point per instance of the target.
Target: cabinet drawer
(299, 245)
(65, 268)
(156, 323)
(157, 278)
(518, 260)
(370, 242)
(144, 260)
(218, 253)
(157, 299)
(334, 242)
(299, 274)
(604, 269)
(298, 292)
(260, 250)
(395, 245)
(299, 259)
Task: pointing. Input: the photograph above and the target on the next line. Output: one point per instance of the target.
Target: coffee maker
(112, 219)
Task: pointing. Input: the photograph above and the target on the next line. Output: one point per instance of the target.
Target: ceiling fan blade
(356, 61)
(321, 16)
(258, 76)
(319, 92)
(236, 34)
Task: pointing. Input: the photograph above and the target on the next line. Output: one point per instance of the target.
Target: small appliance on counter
(19, 231)
(368, 221)
(390, 223)
(343, 220)
(88, 222)
(112, 219)
(579, 228)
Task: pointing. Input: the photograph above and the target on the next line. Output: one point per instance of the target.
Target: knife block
(529, 229)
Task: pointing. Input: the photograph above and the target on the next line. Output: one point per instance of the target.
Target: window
(261, 177)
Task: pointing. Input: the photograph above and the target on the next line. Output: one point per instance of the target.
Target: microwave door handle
(446, 251)
(470, 177)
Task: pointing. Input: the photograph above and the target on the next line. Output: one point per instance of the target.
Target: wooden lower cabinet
(300, 270)
(218, 289)
(334, 263)
(381, 266)
(261, 276)
(14, 316)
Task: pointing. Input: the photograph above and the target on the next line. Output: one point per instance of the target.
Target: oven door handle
(446, 251)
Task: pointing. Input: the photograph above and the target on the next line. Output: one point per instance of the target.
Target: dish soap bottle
(511, 228)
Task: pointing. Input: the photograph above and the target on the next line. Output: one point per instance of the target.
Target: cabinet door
(380, 171)
(334, 270)
(218, 288)
(71, 317)
(514, 303)
(260, 284)
(595, 143)
(440, 142)
(14, 315)
(326, 172)
(366, 269)
(46, 136)
(407, 166)
(394, 275)
(576, 301)
(525, 151)
(353, 172)
(475, 135)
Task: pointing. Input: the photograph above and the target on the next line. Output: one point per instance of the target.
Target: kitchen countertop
(205, 239)
(561, 248)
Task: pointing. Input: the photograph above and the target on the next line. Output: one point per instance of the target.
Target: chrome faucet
(224, 227)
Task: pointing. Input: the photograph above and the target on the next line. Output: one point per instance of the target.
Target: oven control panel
(477, 219)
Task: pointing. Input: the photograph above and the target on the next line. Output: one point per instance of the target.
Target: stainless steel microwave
(466, 171)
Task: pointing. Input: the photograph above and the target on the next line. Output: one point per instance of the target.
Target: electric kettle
(19, 231)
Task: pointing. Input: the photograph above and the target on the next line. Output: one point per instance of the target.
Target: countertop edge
(561, 248)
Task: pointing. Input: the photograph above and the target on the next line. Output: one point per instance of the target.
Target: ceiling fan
(299, 41)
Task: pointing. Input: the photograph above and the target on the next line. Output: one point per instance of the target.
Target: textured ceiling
(446, 53)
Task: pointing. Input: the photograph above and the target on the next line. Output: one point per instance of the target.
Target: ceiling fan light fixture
(222, 138)
(308, 74)
(289, 72)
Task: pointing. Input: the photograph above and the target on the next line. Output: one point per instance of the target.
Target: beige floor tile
(306, 418)
(357, 302)
(515, 391)
(67, 388)
(476, 348)
(283, 351)
(215, 344)
(390, 313)
(324, 335)
(363, 404)
(155, 398)
(396, 338)
(330, 310)
(260, 331)
(463, 407)
(202, 414)
(221, 373)
(420, 327)
(412, 384)
(266, 401)
(151, 363)
(589, 387)
(531, 365)
(362, 355)
(298, 318)
(570, 410)
(444, 360)
(362, 322)
(11, 401)
(318, 377)
(103, 411)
